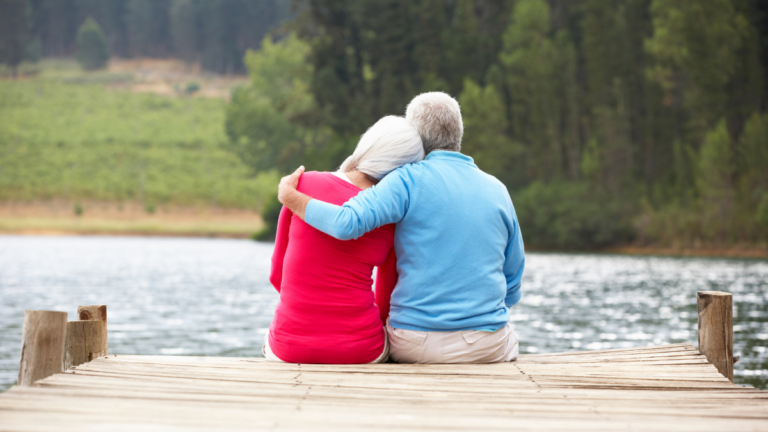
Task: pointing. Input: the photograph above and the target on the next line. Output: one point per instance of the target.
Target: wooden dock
(662, 388)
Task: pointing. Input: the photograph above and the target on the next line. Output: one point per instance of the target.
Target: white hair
(437, 116)
(389, 144)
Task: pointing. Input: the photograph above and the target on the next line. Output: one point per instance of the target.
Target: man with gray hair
(458, 244)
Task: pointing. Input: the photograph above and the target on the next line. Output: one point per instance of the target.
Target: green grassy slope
(75, 138)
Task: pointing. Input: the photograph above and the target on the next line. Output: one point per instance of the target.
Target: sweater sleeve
(386, 279)
(383, 204)
(281, 245)
(514, 260)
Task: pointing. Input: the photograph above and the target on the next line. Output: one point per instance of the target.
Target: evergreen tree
(57, 23)
(608, 65)
(184, 29)
(697, 46)
(485, 131)
(390, 56)
(272, 123)
(230, 27)
(429, 50)
(14, 28)
(534, 65)
(108, 13)
(219, 36)
(567, 86)
(465, 50)
(753, 157)
(343, 75)
(92, 51)
(138, 17)
(752, 163)
(147, 24)
(715, 182)
(216, 31)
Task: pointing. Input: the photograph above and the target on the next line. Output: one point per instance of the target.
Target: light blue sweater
(459, 250)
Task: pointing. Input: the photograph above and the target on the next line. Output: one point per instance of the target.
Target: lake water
(212, 297)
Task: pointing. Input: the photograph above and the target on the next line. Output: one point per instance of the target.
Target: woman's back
(326, 312)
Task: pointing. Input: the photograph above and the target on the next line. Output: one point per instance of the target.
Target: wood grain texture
(96, 313)
(42, 345)
(658, 388)
(85, 342)
(716, 329)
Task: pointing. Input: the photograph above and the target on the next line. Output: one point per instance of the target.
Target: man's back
(458, 245)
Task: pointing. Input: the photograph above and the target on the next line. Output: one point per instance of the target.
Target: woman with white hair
(327, 311)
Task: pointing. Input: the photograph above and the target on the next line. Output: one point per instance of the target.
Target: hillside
(108, 140)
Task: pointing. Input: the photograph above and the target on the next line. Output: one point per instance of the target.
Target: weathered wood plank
(84, 342)
(655, 388)
(42, 345)
(96, 313)
(716, 329)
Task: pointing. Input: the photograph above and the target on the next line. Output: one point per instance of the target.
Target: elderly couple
(442, 234)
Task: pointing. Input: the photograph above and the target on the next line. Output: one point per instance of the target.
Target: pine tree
(343, 75)
(715, 182)
(697, 46)
(184, 29)
(485, 132)
(391, 56)
(92, 51)
(272, 122)
(108, 13)
(429, 51)
(219, 36)
(753, 157)
(137, 19)
(752, 163)
(465, 52)
(608, 55)
(534, 64)
(57, 22)
(14, 27)
(147, 27)
(568, 88)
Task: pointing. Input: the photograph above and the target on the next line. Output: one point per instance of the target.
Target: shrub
(270, 213)
(92, 51)
(572, 216)
(192, 88)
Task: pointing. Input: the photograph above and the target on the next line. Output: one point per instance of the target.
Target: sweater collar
(451, 156)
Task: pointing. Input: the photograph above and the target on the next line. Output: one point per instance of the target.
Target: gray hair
(437, 116)
(389, 144)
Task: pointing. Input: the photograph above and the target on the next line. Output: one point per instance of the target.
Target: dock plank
(653, 389)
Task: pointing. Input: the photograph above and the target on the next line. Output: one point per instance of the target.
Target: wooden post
(42, 345)
(96, 313)
(85, 342)
(716, 329)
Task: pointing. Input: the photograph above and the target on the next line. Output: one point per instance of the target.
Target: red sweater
(326, 312)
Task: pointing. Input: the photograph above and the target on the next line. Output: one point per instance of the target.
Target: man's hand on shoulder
(290, 197)
(289, 184)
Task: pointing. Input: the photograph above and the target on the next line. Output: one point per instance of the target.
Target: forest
(214, 33)
(611, 122)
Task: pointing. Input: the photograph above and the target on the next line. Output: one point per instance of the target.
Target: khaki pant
(468, 346)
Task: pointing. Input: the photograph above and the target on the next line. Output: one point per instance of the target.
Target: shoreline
(130, 219)
(736, 251)
(127, 233)
(706, 252)
(221, 232)
(127, 219)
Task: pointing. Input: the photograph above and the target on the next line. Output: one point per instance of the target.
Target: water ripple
(213, 297)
